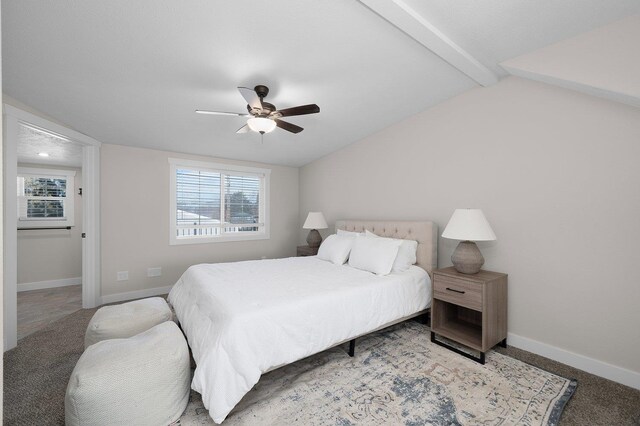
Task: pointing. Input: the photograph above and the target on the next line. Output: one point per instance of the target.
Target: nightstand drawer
(460, 292)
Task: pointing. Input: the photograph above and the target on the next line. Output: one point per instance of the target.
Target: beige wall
(52, 254)
(556, 173)
(135, 220)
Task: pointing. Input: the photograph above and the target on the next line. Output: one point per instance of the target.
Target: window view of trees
(45, 208)
(37, 190)
(45, 187)
(242, 201)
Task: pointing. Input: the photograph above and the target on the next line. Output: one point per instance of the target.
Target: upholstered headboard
(424, 232)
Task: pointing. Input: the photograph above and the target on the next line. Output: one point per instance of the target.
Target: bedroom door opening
(51, 239)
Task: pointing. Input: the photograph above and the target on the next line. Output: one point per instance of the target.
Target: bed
(244, 319)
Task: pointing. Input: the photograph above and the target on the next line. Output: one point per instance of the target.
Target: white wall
(556, 173)
(52, 254)
(135, 221)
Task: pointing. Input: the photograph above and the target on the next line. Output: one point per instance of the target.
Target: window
(45, 198)
(217, 202)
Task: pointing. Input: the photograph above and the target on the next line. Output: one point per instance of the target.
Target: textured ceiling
(62, 152)
(132, 73)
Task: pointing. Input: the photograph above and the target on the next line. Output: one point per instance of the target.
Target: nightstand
(307, 251)
(469, 309)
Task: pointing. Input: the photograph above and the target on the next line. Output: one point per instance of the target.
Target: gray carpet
(37, 371)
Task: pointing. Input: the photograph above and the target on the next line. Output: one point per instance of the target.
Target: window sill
(224, 239)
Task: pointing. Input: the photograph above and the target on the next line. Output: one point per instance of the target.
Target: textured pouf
(126, 319)
(141, 380)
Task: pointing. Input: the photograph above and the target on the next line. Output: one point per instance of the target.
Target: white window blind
(197, 203)
(217, 205)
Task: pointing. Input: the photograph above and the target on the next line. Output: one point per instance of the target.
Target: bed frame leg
(352, 348)
(424, 319)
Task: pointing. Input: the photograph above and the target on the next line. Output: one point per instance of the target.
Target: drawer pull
(454, 290)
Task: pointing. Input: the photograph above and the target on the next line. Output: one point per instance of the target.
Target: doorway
(51, 240)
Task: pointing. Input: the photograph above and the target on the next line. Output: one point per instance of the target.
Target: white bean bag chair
(126, 319)
(141, 380)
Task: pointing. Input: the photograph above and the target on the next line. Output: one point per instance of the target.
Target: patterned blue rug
(398, 377)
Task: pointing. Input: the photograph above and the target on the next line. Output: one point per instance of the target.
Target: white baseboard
(41, 285)
(581, 362)
(137, 294)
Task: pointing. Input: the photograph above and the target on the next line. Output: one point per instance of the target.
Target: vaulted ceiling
(133, 72)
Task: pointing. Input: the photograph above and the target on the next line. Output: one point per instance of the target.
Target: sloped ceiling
(604, 62)
(133, 72)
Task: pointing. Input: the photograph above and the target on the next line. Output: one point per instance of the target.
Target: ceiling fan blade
(288, 126)
(299, 110)
(243, 129)
(237, 114)
(251, 97)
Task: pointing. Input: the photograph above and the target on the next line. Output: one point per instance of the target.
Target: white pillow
(374, 254)
(344, 233)
(406, 254)
(335, 249)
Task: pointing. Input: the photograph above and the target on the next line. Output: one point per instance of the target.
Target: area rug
(398, 377)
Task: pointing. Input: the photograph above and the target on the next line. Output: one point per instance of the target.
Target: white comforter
(245, 318)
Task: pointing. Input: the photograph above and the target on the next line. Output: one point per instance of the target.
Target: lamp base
(466, 258)
(314, 238)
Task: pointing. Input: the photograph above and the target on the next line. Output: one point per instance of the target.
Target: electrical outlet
(154, 272)
(123, 275)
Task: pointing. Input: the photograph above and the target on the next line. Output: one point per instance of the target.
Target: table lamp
(315, 221)
(468, 225)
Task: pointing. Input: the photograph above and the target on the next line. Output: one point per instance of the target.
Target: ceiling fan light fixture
(264, 117)
(261, 124)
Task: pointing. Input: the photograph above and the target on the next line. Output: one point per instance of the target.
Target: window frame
(178, 163)
(68, 199)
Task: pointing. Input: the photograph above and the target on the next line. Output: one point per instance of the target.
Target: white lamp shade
(315, 220)
(260, 124)
(469, 225)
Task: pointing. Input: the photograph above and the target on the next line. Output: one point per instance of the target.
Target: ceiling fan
(263, 116)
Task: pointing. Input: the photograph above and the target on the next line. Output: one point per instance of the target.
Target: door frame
(91, 271)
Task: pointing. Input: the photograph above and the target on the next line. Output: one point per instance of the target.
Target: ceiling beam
(407, 20)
